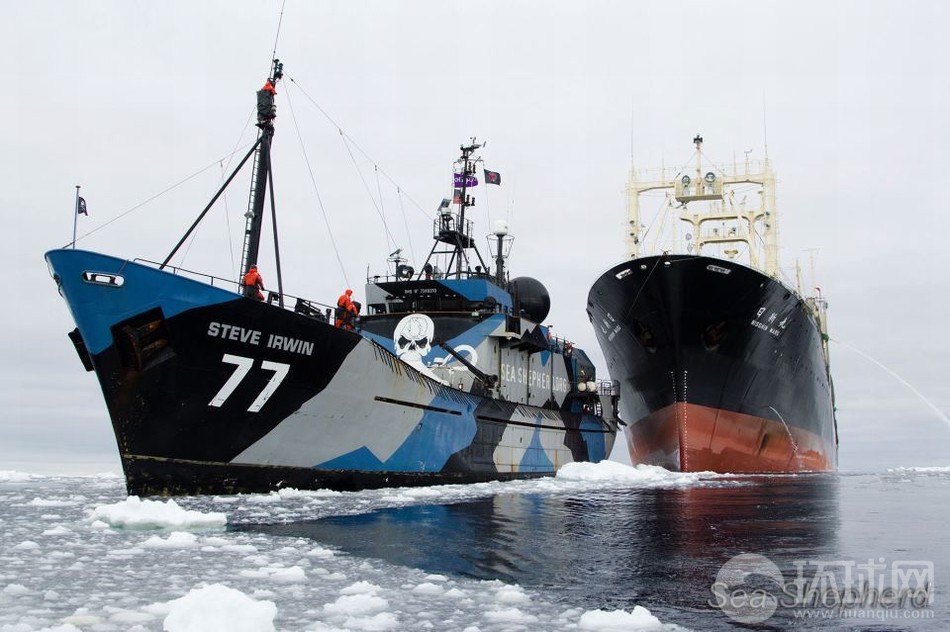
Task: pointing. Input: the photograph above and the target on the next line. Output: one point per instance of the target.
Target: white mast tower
(735, 228)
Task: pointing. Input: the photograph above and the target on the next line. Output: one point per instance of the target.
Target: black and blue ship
(448, 376)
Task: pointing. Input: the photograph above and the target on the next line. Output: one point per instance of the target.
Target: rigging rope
(157, 195)
(225, 169)
(313, 181)
(427, 215)
(389, 236)
(382, 208)
(406, 224)
(227, 223)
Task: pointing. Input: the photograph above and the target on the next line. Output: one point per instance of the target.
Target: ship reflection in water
(659, 548)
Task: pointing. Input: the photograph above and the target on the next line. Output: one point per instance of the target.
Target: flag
(467, 181)
(457, 197)
(82, 207)
(492, 177)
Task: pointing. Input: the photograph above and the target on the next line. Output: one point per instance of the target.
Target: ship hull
(720, 367)
(211, 392)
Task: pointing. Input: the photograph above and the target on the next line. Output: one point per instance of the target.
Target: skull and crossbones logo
(413, 338)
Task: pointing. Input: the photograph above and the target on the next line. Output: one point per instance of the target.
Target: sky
(146, 105)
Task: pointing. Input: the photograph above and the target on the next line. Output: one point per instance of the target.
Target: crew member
(353, 315)
(266, 109)
(253, 283)
(344, 310)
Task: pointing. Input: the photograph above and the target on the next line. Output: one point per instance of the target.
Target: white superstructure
(718, 210)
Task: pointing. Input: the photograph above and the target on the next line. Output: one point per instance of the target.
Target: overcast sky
(128, 98)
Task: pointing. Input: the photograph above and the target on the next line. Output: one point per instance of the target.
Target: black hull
(720, 367)
(147, 476)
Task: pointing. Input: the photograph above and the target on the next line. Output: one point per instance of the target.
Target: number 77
(243, 366)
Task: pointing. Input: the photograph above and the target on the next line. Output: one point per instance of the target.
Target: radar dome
(532, 296)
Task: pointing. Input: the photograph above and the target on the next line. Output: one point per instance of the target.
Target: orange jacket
(253, 278)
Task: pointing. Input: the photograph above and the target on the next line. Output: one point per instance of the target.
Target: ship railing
(302, 306)
(734, 169)
(561, 345)
(434, 275)
(449, 227)
(201, 277)
(608, 387)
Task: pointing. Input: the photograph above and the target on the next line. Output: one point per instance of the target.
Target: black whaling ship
(448, 377)
(721, 365)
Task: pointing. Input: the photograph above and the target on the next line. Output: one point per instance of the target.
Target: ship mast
(453, 229)
(261, 178)
(261, 174)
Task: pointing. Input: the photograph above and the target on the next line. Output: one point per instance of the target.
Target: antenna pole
(698, 141)
(500, 260)
(467, 172)
(75, 216)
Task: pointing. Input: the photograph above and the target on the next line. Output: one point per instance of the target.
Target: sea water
(600, 547)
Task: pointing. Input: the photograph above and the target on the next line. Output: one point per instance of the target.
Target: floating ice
(239, 548)
(428, 588)
(26, 545)
(512, 595)
(218, 608)
(356, 605)
(130, 617)
(54, 502)
(135, 513)
(360, 588)
(320, 552)
(376, 623)
(133, 581)
(921, 470)
(621, 621)
(262, 499)
(611, 471)
(15, 590)
(510, 615)
(12, 476)
(280, 575)
(175, 540)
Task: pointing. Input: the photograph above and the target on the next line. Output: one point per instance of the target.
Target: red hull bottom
(691, 438)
